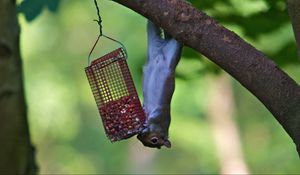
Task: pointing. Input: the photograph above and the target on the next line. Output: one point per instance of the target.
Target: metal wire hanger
(99, 21)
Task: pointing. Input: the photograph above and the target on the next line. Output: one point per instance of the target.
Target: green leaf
(33, 8)
(53, 5)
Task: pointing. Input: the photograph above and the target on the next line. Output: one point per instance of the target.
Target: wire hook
(99, 22)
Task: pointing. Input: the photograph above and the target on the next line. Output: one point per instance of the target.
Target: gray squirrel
(164, 53)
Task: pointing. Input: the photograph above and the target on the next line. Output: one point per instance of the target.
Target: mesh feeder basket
(115, 95)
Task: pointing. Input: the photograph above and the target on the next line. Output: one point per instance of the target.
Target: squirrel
(164, 53)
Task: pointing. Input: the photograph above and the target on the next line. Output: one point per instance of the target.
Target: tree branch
(274, 88)
(294, 12)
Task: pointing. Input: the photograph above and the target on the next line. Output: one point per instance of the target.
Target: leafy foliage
(32, 8)
(255, 24)
(263, 18)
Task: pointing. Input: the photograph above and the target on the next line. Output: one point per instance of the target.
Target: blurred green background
(64, 122)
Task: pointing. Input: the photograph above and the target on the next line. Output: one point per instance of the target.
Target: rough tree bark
(294, 12)
(16, 153)
(261, 76)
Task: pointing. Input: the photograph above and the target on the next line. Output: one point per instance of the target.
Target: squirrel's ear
(167, 143)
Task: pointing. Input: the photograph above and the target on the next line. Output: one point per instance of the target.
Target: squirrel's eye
(154, 140)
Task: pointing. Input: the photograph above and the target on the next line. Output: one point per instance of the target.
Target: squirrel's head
(154, 137)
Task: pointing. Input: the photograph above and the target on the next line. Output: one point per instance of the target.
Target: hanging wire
(99, 21)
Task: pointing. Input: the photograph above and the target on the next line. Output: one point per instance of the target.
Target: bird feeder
(115, 95)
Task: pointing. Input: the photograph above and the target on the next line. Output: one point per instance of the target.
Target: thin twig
(99, 21)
